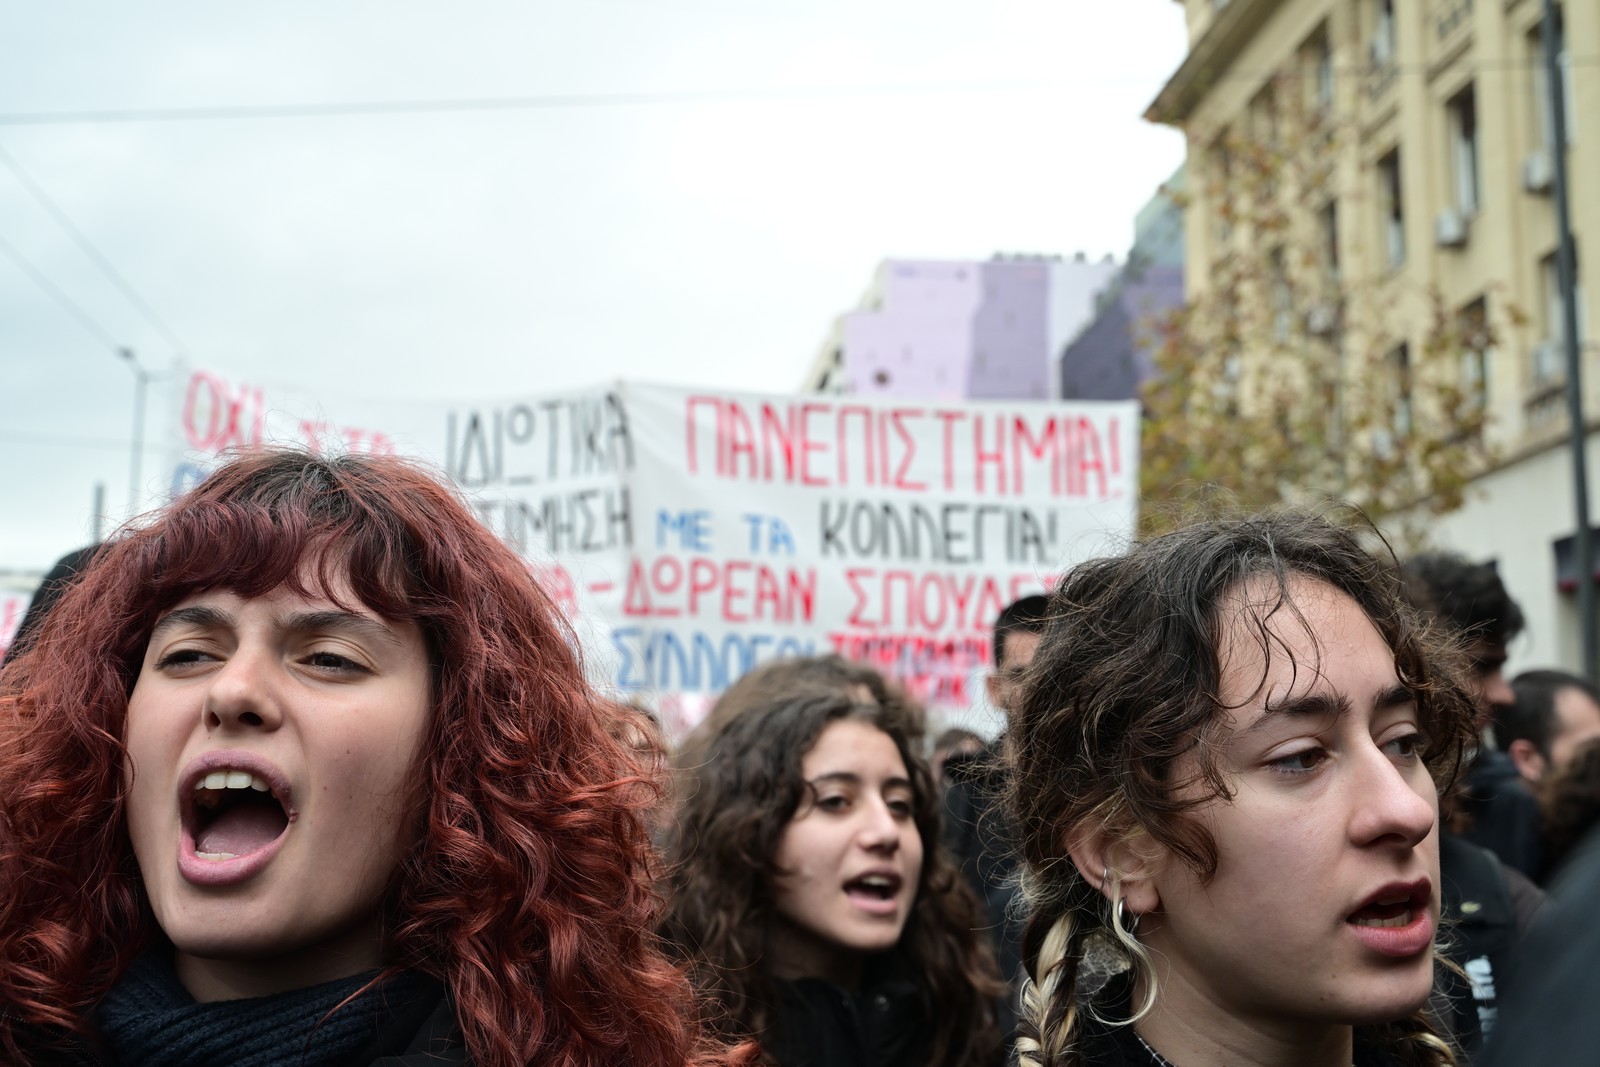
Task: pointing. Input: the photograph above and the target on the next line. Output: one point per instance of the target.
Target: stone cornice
(1209, 59)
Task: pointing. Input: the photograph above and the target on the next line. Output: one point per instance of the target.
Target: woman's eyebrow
(1396, 696)
(1322, 705)
(841, 777)
(849, 778)
(362, 625)
(1329, 705)
(195, 615)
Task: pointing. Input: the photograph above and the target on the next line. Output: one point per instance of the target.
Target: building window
(1321, 72)
(1222, 170)
(1399, 369)
(1315, 60)
(1541, 84)
(1463, 108)
(1550, 357)
(1477, 355)
(1328, 246)
(1392, 205)
(1281, 295)
(1383, 36)
(1264, 116)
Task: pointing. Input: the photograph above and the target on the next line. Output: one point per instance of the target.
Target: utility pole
(1582, 541)
(136, 462)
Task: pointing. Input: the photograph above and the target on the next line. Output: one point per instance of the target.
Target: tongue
(242, 829)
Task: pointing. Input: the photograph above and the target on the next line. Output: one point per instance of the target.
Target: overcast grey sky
(685, 192)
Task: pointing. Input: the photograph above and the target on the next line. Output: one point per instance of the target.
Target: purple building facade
(965, 330)
(1114, 354)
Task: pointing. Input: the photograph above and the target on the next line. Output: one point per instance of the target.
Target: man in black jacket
(1489, 837)
(1493, 810)
(976, 829)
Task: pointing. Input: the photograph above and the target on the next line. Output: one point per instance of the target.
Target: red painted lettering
(910, 444)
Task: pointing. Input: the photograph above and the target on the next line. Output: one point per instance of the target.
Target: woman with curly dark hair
(812, 900)
(1228, 767)
(304, 770)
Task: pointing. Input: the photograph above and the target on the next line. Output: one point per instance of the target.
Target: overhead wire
(505, 103)
(59, 440)
(543, 102)
(484, 104)
(80, 316)
(95, 256)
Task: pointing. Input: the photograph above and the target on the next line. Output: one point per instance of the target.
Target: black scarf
(149, 1019)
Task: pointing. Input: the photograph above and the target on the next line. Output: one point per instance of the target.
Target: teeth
(216, 855)
(1403, 919)
(877, 881)
(233, 780)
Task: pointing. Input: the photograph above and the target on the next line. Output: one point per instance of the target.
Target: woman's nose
(243, 694)
(1393, 801)
(880, 830)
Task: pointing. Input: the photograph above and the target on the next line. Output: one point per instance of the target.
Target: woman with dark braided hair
(1228, 766)
(811, 897)
(303, 771)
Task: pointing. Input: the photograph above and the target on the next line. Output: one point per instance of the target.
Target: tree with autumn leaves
(1286, 378)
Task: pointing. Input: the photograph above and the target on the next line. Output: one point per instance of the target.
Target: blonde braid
(1049, 1006)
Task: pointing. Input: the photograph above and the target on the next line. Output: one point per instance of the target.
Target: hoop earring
(1127, 918)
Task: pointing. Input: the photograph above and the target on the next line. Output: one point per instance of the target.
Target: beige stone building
(1439, 140)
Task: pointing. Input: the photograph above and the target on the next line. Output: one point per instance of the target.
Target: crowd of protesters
(304, 770)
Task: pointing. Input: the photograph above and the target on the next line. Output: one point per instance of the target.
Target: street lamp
(1567, 280)
(141, 382)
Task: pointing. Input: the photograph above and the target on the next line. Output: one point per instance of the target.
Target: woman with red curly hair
(305, 771)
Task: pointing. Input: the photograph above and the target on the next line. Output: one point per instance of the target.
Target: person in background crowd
(56, 581)
(812, 900)
(639, 730)
(955, 741)
(1227, 765)
(1492, 810)
(1552, 714)
(1549, 1018)
(304, 771)
(1489, 851)
(1570, 800)
(976, 828)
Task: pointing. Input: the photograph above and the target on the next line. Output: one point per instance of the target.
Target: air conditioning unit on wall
(1549, 362)
(1450, 228)
(1322, 320)
(1538, 175)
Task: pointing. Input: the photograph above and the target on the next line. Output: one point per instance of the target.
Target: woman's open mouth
(235, 814)
(1396, 920)
(876, 893)
(234, 819)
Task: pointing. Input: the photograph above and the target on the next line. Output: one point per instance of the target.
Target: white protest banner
(693, 534)
(13, 606)
(892, 533)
